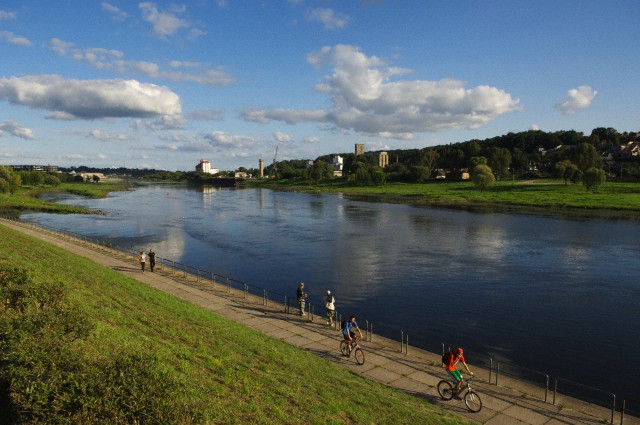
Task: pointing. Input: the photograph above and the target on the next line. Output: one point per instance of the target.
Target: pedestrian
(301, 296)
(152, 259)
(142, 260)
(330, 306)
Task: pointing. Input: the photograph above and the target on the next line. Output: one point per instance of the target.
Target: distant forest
(532, 154)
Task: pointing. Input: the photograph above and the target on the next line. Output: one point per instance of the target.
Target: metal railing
(495, 368)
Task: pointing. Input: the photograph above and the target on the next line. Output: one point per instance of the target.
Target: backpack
(343, 324)
(447, 358)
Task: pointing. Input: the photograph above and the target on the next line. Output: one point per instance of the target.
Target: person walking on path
(152, 259)
(451, 367)
(301, 296)
(330, 306)
(142, 260)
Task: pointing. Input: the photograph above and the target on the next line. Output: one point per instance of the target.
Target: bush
(45, 378)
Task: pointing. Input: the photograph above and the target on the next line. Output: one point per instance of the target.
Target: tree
(593, 178)
(9, 181)
(483, 177)
(567, 170)
(586, 156)
(428, 158)
(500, 161)
(477, 160)
(51, 180)
(96, 178)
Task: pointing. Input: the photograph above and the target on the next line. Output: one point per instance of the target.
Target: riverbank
(241, 373)
(29, 198)
(549, 197)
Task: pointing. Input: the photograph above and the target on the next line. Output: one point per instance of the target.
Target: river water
(558, 295)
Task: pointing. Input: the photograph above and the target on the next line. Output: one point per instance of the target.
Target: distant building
(204, 166)
(241, 175)
(261, 167)
(338, 165)
(359, 149)
(383, 159)
(309, 163)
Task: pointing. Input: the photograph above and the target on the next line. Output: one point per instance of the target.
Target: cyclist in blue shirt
(347, 330)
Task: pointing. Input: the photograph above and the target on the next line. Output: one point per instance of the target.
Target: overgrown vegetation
(83, 344)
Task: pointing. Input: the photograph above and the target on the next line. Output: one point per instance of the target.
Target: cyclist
(451, 367)
(347, 330)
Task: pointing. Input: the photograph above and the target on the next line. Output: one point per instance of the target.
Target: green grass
(226, 373)
(26, 198)
(552, 195)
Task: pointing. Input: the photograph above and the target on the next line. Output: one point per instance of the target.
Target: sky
(165, 84)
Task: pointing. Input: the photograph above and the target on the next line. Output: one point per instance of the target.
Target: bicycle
(471, 398)
(355, 348)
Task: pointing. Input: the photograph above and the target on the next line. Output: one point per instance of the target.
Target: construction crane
(274, 167)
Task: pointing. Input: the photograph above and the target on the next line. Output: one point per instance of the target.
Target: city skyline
(163, 85)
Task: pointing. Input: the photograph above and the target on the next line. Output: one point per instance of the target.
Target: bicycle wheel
(473, 402)
(359, 355)
(445, 389)
(344, 347)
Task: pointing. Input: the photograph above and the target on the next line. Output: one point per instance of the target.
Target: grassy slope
(232, 373)
(550, 194)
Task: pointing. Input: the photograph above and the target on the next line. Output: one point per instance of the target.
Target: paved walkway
(417, 372)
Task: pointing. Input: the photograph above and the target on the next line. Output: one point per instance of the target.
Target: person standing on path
(152, 259)
(142, 260)
(301, 296)
(330, 306)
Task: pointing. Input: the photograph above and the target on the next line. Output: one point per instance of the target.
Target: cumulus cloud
(60, 47)
(116, 13)
(580, 98)
(328, 18)
(370, 97)
(15, 129)
(91, 99)
(164, 24)
(225, 140)
(281, 137)
(10, 37)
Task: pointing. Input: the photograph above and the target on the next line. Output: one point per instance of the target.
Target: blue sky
(165, 84)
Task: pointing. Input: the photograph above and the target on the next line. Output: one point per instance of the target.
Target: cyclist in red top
(451, 367)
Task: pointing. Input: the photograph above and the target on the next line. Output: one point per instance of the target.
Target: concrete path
(417, 372)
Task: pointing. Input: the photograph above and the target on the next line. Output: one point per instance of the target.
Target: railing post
(546, 388)
(246, 289)
(402, 341)
(613, 407)
(490, 368)
(286, 304)
(497, 373)
(228, 285)
(555, 390)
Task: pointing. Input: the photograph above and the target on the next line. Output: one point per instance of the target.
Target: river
(558, 295)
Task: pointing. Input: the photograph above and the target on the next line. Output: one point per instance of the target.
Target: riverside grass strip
(550, 194)
(225, 373)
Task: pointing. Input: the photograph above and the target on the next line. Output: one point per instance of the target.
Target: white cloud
(580, 98)
(91, 99)
(212, 77)
(114, 60)
(15, 129)
(281, 137)
(328, 18)
(225, 140)
(164, 23)
(206, 115)
(14, 39)
(6, 16)
(368, 98)
(116, 13)
(59, 47)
